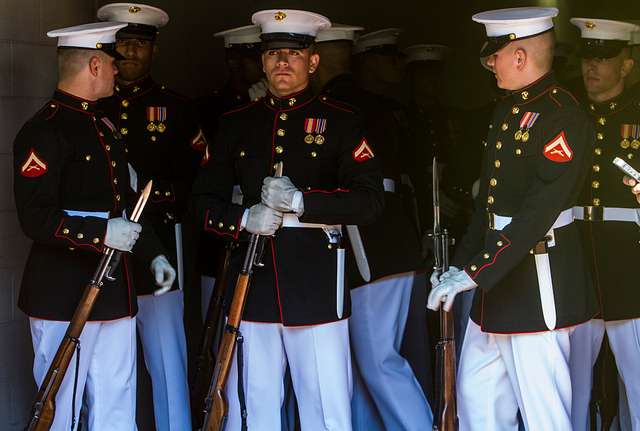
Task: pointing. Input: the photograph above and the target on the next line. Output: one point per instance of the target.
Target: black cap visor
(600, 48)
(496, 43)
(286, 40)
(137, 31)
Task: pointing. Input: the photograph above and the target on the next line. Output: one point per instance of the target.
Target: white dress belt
(498, 222)
(291, 220)
(389, 185)
(593, 213)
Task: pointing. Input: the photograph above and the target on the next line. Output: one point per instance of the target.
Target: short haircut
(72, 60)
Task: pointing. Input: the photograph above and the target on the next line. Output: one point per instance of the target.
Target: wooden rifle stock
(44, 407)
(209, 343)
(216, 406)
(446, 415)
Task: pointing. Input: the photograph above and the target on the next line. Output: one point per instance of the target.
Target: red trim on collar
(241, 108)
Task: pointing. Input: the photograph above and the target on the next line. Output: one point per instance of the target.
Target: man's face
(503, 64)
(137, 62)
(288, 69)
(107, 71)
(602, 75)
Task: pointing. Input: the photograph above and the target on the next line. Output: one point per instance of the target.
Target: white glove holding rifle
(448, 288)
(121, 234)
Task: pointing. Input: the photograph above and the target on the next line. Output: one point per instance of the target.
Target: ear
(520, 58)
(95, 63)
(314, 61)
(627, 66)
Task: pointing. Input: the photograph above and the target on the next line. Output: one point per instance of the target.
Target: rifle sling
(241, 398)
(76, 341)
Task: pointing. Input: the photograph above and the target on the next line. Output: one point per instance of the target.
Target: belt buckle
(593, 213)
(492, 220)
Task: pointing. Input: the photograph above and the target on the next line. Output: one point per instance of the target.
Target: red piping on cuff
(77, 244)
(327, 192)
(220, 233)
(493, 261)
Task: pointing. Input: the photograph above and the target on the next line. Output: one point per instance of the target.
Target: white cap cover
(134, 13)
(425, 52)
(384, 37)
(245, 35)
(96, 35)
(338, 32)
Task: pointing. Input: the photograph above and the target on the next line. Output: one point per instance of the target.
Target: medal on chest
(630, 134)
(157, 117)
(315, 127)
(526, 122)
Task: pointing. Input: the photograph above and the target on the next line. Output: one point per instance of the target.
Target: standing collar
(292, 101)
(535, 89)
(612, 105)
(75, 103)
(135, 88)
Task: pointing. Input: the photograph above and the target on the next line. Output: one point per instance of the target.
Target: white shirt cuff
(297, 203)
(245, 216)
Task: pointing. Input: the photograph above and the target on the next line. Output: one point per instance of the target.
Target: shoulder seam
(241, 108)
(326, 101)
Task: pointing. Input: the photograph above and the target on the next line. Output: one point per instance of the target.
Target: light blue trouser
(379, 314)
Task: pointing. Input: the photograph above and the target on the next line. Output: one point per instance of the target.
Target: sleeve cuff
(297, 203)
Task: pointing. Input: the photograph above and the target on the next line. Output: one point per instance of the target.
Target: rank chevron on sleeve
(558, 150)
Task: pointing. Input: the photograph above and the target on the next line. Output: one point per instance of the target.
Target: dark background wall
(190, 61)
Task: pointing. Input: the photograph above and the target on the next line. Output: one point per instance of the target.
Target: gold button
(613, 105)
(491, 126)
(85, 105)
(473, 268)
(596, 202)
(599, 136)
(210, 222)
(280, 132)
(114, 164)
(329, 246)
(284, 116)
(602, 121)
(53, 105)
(71, 248)
(493, 182)
(87, 157)
(554, 91)
(518, 152)
(279, 149)
(314, 154)
(115, 181)
(126, 150)
(630, 156)
(595, 184)
(490, 200)
(125, 103)
(220, 225)
(157, 193)
(496, 163)
(531, 251)
(505, 126)
(292, 101)
(107, 147)
(153, 138)
(96, 240)
(136, 89)
(484, 143)
(124, 116)
(486, 256)
(124, 130)
(167, 194)
(232, 228)
(525, 95)
(515, 110)
(65, 231)
(592, 107)
(596, 168)
(118, 198)
(498, 145)
(242, 154)
(598, 151)
(80, 236)
(499, 243)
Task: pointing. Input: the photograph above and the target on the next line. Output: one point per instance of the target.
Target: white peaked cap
(387, 36)
(90, 36)
(338, 32)
(134, 13)
(604, 29)
(247, 34)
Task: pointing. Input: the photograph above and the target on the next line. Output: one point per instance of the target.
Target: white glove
(163, 273)
(448, 288)
(279, 193)
(435, 280)
(263, 220)
(258, 90)
(121, 234)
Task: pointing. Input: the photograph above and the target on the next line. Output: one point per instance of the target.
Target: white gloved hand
(448, 288)
(263, 220)
(163, 273)
(258, 90)
(121, 234)
(435, 280)
(279, 192)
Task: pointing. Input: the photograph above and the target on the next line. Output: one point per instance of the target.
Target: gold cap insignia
(134, 9)
(590, 25)
(98, 46)
(280, 16)
(512, 36)
(85, 105)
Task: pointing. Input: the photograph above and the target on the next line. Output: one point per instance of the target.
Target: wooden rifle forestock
(446, 418)
(205, 360)
(216, 406)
